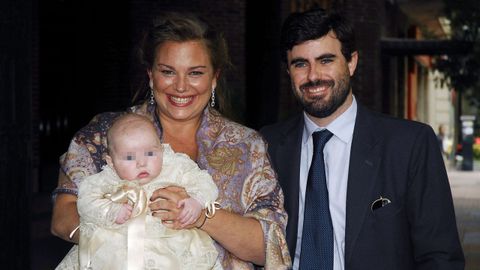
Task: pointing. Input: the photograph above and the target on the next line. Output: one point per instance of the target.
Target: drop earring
(152, 97)
(212, 99)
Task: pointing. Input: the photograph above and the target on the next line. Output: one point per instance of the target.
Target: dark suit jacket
(392, 158)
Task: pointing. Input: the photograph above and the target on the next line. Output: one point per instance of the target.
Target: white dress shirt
(337, 157)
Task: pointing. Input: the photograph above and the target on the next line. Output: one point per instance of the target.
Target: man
(389, 204)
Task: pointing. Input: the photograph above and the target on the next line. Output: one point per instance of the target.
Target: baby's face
(137, 155)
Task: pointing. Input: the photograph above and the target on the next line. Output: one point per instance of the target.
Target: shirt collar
(341, 127)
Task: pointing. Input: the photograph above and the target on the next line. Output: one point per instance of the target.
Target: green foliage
(463, 70)
(476, 151)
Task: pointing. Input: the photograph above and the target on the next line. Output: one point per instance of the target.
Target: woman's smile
(180, 101)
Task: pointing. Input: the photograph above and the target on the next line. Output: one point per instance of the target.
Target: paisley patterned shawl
(234, 155)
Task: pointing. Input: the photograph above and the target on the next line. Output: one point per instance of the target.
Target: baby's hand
(124, 213)
(190, 212)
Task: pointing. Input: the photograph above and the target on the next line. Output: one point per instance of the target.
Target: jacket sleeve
(430, 208)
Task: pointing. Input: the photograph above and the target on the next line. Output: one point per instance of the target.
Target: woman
(183, 58)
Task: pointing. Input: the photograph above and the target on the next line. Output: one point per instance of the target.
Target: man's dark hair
(316, 23)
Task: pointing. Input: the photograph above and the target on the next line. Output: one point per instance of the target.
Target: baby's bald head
(129, 125)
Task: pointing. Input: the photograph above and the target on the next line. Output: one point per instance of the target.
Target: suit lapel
(364, 163)
(288, 157)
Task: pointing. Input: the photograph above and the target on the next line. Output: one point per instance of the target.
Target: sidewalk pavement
(465, 187)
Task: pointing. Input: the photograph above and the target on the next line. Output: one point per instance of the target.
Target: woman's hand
(164, 203)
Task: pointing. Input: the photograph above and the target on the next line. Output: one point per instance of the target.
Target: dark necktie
(317, 235)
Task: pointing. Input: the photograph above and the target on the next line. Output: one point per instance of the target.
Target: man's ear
(352, 65)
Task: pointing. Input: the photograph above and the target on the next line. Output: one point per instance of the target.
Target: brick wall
(368, 17)
(379, 82)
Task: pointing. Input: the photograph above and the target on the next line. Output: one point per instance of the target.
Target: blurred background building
(63, 61)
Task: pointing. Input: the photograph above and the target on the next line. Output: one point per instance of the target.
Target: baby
(117, 230)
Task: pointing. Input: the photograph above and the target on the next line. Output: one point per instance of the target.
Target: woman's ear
(215, 78)
(149, 73)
